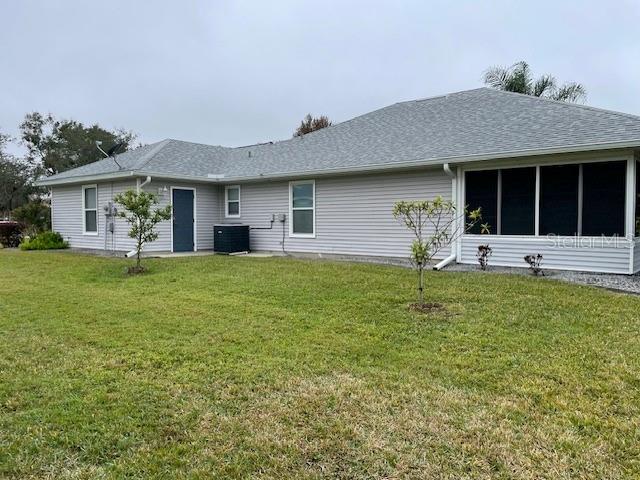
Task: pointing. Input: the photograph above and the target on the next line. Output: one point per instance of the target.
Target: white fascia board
(45, 182)
(128, 174)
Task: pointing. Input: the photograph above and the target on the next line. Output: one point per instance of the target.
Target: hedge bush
(10, 234)
(35, 216)
(44, 241)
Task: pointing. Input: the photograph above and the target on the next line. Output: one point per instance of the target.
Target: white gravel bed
(622, 283)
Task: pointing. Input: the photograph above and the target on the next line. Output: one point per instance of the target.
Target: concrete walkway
(201, 253)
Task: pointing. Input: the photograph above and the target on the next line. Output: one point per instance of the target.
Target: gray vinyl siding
(353, 217)
(206, 214)
(66, 216)
(66, 204)
(353, 213)
(613, 257)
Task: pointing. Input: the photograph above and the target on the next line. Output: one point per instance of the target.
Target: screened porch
(580, 214)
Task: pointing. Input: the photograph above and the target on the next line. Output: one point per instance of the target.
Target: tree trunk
(420, 283)
(138, 248)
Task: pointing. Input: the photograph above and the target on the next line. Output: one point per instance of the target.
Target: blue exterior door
(183, 220)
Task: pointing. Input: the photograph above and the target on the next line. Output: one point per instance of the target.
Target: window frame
(493, 229)
(85, 210)
(292, 184)
(538, 165)
(505, 216)
(226, 201)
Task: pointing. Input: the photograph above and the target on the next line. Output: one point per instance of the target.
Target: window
(518, 205)
(232, 201)
(302, 208)
(603, 198)
(559, 197)
(90, 209)
(506, 198)
(579, 199)
(482, 192)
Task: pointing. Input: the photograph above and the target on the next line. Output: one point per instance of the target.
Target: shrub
(10, 234)
(44, 241)
(535, 262)
(141, 213)
(35, 216)
(484, 252)
(435, 224)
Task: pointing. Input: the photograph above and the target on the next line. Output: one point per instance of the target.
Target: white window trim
(226, 201)
(85, 210)
(291, 209)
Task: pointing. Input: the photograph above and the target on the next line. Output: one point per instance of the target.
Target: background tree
(310, 124)
(58, 145)
(15, 180)
(518, 78)
(435, 224)
(143, 217)
(35, 216)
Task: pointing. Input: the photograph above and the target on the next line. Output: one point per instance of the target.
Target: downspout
(454, 255)
(139, 186)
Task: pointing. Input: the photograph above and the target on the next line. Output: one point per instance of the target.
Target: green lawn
(281, 368)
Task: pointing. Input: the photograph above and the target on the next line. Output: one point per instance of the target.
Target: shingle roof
(455, 127)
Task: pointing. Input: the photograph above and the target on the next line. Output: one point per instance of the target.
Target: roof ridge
(434, 97)
(333, 125)
(377, 110)
(146, 158)
(566, 104)
(198, 143)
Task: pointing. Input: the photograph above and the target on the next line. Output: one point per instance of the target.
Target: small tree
(35, 216)
(435, 224)
(311, 124)
(143, 219)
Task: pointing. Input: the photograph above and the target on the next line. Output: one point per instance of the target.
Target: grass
(276, 368)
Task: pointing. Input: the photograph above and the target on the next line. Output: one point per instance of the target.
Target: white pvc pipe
(447, 169)
(445, 262)
(454, 256)
(140, 185)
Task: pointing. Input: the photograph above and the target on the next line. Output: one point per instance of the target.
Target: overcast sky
(240, 72)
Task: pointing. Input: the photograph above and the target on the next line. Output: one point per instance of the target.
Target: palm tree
(517, 78)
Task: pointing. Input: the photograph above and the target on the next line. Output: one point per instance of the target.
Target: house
(552, 178)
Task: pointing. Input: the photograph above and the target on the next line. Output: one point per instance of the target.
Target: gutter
(84, 178)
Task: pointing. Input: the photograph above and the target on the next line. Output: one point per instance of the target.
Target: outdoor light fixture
(162, 191)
